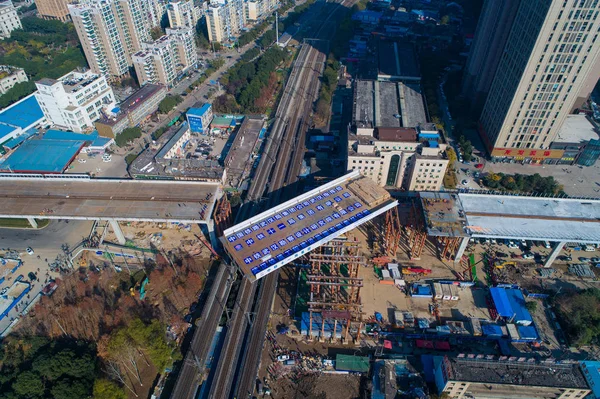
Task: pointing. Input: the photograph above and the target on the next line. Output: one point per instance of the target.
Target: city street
(46, 243)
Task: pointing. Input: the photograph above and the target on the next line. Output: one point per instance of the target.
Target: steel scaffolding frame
(335, 286)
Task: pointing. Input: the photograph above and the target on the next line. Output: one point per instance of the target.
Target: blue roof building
(200, 118)
(510, 303)
(42, 156)
(591, 372)
(20, 117)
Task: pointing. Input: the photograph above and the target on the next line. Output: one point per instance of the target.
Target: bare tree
(114, 371)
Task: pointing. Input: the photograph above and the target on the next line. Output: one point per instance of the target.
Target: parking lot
(95, 165)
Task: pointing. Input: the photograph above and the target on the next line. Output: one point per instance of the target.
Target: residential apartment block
(225, 19)
(10, 76)
(76, 100)
(257, 10)
(53, 9)
(547, 64)
(163, 60)
(9, 20)
(110, 31)
(183, 14)
(405, 158)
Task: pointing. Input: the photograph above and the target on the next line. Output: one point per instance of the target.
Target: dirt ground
(165, 236)
(324, 386)
(292, 384)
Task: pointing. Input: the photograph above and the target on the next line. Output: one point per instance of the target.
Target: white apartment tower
(110, 31)
(183, 14)
(548, 61)
(75, 101)
(9, 20)
(163, 60)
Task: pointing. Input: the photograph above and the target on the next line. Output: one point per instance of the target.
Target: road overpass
(512, 217)
(80, 197)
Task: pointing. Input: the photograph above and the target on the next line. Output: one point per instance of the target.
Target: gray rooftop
(552, 219)
(515, 373)
(576, 129)
(398, 61)
(388, 104)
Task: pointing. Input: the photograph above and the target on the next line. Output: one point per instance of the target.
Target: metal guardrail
(36, 176)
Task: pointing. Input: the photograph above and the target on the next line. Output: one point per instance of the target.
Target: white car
(81, 160)
(29, 250)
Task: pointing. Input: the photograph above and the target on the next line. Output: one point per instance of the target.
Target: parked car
(584, 259)
(464, 182)
(32, 276)
(528, 255)
(547, 244)
(596, 260)
(283, 358)
(512, 245)
(566, 258)
(479, 166)
(29, 250)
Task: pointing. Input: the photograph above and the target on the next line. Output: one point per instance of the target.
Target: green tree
(105, 389)
(128, 135)
(444, 20)
(70, 389)
(28, 385)
(168, 103)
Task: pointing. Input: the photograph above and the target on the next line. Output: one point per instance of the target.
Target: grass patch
(22, 223)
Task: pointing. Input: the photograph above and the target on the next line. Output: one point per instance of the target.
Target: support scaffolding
(448, 247)
(222, 215)
(393, 232)
(417, 235)
(335, 289)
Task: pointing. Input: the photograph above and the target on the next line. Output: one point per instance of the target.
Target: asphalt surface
(46, 244)
(119, 199)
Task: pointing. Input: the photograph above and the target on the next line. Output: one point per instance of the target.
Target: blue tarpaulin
(491, 330)
(510, 303)
(528, 333)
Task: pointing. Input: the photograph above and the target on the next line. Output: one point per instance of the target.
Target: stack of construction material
(582, 270)
(545, 273)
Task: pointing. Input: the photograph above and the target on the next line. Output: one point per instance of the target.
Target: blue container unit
(317, 321)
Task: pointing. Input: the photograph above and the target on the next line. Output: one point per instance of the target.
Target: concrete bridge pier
(118, 232)
(461, 250)
(554, 254)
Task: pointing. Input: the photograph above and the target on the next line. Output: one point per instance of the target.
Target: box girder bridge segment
(335, 286)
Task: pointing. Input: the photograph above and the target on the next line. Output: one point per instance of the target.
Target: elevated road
(90, 199)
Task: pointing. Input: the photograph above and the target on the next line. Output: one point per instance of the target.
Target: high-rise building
(163, 60)
(548, 61)
(110, 31)
(76, 100)
(183, 14)
(9, 20)
(225, 19)
(53, 9)
(256, 10)
(492, 32)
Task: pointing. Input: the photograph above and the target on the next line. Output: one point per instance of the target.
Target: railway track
(279, 166)
(192, 371)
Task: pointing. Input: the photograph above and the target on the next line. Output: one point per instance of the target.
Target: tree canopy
(581, 313)
(168, 103)
(524, 183)
(36, 367)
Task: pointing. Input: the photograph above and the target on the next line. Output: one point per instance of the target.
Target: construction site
(415, 280)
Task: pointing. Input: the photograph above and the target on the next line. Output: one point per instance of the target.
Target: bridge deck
(186, 201)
